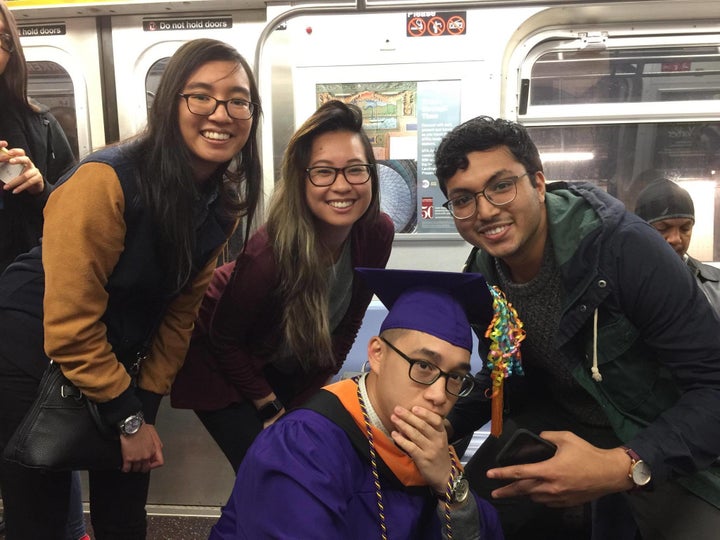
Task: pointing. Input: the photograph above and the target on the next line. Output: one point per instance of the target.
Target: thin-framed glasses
(6, 43)
(324, 175)
(204, 105)
(498, 192)
(424, 372)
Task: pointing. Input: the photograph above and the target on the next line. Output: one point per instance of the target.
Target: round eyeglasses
(324, 175)
(6, 43)
(204, 105)
(424, 372)
(498, 192)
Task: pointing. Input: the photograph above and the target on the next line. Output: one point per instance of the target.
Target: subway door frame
(79, 41)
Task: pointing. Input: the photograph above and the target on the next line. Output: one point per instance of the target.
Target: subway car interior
(616, 93)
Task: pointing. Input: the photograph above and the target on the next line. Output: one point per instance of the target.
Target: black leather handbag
(63, 430)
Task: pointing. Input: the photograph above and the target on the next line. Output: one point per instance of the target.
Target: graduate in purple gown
(369, 457)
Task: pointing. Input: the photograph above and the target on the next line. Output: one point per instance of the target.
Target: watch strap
(269, 410)
(634, 460)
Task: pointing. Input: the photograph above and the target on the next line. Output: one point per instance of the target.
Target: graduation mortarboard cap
(442, 304)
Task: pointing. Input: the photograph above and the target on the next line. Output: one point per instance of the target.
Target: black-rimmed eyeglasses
(6, 43)
(204, 105)
(424, 372)
(324, 175)
(498, 192)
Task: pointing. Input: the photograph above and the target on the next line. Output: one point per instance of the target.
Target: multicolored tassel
(505, 332)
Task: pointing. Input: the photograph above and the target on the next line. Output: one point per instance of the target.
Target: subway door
(142, 46)
(63, 74)
(196, 473)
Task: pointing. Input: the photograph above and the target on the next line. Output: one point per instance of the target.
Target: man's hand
(142, 451)
(579, 472)
(421, 434)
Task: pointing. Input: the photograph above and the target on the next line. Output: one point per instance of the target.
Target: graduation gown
(304, 478)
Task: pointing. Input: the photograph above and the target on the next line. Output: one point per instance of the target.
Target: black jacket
(658, 348)
(43, 140)
(708, 277)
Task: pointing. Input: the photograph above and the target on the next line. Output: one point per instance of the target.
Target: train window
(152, 80)
(623, 112)
(50, 84)
(622, 75)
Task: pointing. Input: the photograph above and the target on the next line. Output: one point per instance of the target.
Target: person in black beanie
(670, 210)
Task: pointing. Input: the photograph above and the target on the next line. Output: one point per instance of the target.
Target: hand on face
(414, 412)
(421, 434)
(579, 472)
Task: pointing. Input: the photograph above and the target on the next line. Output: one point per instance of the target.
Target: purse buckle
(67, 390)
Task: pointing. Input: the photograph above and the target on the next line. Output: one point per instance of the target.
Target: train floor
(171, 523)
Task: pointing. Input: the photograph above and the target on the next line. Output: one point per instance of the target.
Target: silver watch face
(131, 424)
(641, 473)
(461, 489)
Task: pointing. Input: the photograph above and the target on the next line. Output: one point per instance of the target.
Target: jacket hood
(576, 210)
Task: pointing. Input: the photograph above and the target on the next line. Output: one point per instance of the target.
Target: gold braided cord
(373, 465)
(448, 496)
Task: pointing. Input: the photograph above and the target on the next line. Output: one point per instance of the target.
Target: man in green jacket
(621, 357)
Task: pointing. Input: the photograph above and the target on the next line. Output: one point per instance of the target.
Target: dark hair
(301, 259)
(14, 79)
(167, 184)
(479, 134)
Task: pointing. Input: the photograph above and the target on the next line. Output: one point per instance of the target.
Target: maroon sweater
(246, 317)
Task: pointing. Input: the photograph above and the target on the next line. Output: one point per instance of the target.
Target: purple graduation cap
(442, 304)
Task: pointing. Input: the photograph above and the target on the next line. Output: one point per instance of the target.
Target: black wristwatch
(131, 425)
(267, 411)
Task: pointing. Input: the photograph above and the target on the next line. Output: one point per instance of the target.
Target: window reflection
(626, 75)
(624, 158)
(152, 80)
(50, 84)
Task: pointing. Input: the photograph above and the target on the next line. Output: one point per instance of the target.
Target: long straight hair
(14, 78)
(301, 258)
(166, 183)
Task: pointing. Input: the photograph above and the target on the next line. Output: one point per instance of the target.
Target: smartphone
(8, 171)
(525, 447)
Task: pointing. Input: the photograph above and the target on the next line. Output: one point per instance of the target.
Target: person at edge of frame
(621, 356)
(32, 137)
(670, 210)
(130, 242)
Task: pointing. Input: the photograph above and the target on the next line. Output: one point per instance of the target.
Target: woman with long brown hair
(279, 322)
